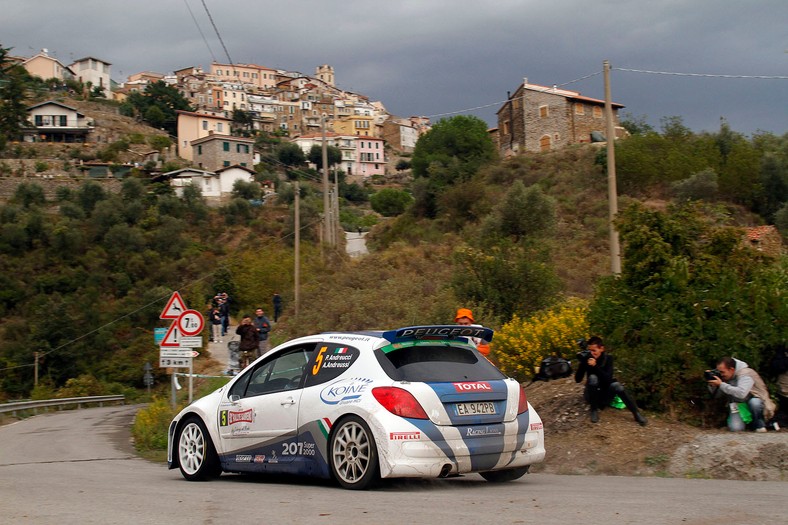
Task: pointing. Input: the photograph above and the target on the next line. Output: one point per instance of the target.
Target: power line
(200, 30)
(217, 33)
(761, 77)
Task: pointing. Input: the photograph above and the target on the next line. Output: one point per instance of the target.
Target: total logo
(344, 391)
(476, 386)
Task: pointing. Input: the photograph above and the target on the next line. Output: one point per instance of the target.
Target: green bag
(744, 413)
(617, 403)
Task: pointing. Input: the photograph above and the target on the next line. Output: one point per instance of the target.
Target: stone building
(540, 118)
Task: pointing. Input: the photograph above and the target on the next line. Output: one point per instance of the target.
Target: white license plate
(479, 408)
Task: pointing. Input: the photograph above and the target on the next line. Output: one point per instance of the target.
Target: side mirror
(235, 398)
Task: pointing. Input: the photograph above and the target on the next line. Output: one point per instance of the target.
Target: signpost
(177, 343)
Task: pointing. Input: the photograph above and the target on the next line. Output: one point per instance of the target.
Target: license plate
(479, 408)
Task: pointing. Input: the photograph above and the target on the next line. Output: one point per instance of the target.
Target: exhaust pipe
(445, 469)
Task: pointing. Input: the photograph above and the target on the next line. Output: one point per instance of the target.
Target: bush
(700, 186)
(390, 202)
(151, 425)
(522, 343)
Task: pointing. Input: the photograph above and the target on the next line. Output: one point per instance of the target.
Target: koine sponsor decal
(403, 436)
(243, 458)
(345, 391)
(230, 417)
(475, 386)
(536, 426)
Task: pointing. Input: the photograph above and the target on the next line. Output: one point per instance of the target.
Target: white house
(212, 184)
(52, 121)
(95, 71)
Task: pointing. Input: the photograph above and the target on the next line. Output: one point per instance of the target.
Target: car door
(260, 412)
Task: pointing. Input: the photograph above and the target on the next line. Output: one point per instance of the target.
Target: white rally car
(412, 402)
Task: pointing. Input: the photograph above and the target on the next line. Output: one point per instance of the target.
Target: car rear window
(434, 363)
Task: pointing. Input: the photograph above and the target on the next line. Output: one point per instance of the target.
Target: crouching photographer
(743, 387)
(601, 386)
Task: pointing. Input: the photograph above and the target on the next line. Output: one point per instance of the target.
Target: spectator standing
(224, 312)
(741, 384)
(601, 387)
(263, 326)
(249, 341)
(215, 322)
(277, 307)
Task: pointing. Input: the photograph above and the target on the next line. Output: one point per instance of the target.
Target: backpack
(553, 367)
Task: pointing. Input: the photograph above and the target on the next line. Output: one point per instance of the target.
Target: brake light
(522, 405)
(399, 402)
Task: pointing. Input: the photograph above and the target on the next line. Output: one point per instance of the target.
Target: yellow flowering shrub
(521, 344)
(151, 425)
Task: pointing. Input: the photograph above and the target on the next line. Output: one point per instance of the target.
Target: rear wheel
(197, 456)
(502, 476)
(354, 456)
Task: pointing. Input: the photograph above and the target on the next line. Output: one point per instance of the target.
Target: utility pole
(297, 240)
(326, 201)
(612, 192)
(35, 369)
(337, 225)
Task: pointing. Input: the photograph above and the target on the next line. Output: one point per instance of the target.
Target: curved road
(77, 467)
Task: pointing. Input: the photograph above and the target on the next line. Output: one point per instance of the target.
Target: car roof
(424, 332)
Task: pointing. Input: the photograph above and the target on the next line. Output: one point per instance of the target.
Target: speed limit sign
(191, 322)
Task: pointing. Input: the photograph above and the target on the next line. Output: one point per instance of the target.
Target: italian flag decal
(342, 350)
(325, 426)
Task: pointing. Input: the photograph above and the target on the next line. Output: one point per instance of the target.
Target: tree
(524, 212)
(242, 120)
(292, 156)
(451, 152)
(636, 125)
(689, 292)
(390, 202)
(13, 110)
(333, 156)
(166, 98)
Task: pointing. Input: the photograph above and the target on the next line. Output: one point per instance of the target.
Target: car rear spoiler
(441, 332)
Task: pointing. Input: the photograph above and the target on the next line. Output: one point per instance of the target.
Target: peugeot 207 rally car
(412, 402)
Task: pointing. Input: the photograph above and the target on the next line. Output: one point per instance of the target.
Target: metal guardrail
(60, 403)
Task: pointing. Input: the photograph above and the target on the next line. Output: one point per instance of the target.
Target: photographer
(741, 384)
(601, 386)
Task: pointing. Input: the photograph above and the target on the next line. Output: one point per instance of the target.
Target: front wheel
(502, 476)
(197, 456)
(354, 456)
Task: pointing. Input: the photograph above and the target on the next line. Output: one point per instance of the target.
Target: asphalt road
(78, 467)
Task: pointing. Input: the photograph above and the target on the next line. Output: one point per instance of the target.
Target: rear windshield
(436, 363)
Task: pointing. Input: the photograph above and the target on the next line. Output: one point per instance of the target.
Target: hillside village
(233, 103)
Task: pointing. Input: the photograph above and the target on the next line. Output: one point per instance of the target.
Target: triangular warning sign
(175, 307)
(172, 338)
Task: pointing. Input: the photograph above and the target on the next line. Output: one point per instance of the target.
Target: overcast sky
(435, 57)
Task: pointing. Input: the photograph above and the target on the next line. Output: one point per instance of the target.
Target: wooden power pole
(297, 240)
(612, 192)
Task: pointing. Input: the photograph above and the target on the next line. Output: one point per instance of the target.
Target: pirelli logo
(404, 436)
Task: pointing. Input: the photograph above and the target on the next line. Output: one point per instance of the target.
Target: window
(243, 164)
(226, 146)
(219, 127)
(544, 143)
(506, 130)
(218, 71)
(226, 163)
(205, 124)
(580, 109)
(63, 121)
(597, 112)
(39, 120)
(284, 372)
(199, 149)
(543, 112)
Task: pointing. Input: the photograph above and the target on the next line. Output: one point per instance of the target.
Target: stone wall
(8, 185)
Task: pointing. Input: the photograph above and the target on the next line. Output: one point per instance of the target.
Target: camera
(584, 352)
(708, 375)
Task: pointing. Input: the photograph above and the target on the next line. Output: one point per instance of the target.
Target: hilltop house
(539, 118)
(193, 126)
(95, 71)
(55, 122)
(220, 151)
(45, 67)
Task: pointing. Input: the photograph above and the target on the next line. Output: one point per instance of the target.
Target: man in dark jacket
(263, 326)
(249, 341)
(601, 386)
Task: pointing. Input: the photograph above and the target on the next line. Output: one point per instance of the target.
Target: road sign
(191, 342)
(175, 307)
(175, 362)
(191, 322)
(173, 337)
(176, 352)
(195, 353)
(158, 334)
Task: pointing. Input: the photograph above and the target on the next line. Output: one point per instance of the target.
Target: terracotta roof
(758, 232)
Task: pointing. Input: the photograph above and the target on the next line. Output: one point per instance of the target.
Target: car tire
(353, 454)
(502, 476)
(197, 457)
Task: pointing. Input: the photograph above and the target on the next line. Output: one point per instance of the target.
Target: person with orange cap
(464, 317)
